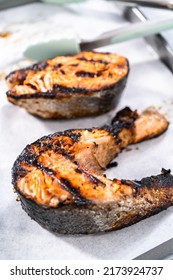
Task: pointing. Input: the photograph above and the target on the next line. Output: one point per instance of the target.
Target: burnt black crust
(92, 102)
(48, 143)
(85, 74)
(80, 219)
(44, 144)
(112, 164)
(59, 91)
(43, 64)
(23, 72)
(80, 215)
(39, 66)
(164, 180)
(123, 119)
(126, 115)
(94, 60)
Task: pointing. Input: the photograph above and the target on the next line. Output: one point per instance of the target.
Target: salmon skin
(86, 84)
(61, 183)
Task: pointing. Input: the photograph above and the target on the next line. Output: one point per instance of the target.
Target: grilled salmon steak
(61, 183)
(86, 84)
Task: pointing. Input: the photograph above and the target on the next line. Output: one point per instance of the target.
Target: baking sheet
(150, 83)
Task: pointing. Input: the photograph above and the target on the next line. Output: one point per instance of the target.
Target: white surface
(150, 83)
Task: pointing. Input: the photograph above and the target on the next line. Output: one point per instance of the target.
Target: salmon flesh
(86, 84)
(61, 183)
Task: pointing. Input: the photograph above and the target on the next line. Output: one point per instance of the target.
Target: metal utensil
(128, 33)
(160, 252)
(158, 43)
(168, 5)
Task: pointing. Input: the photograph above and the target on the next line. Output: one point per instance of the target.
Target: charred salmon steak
(86, 84)
(61, 183)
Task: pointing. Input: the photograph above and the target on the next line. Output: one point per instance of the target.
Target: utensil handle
(132, 31)
(147, 3)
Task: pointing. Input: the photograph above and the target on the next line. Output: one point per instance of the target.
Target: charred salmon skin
(61, 184)
(86, 84)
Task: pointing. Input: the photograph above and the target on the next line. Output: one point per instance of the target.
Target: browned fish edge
(79, 216)
(104, 98)
(80, 219)
(59, 91)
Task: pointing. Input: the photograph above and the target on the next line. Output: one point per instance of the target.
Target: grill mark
(89, 74)
(63, 89)
(58, 89)
(91, 178)
(58, 65)
(47, 170)
(78, 170)
(85, 74)
(38, 66)
(62, 71)
(120, 66)
(67, 90)
(64, 153)
(93, 60)
(75, 192)
(32, 86)
(64, 183)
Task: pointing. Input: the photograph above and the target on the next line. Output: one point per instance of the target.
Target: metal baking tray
(159, 42)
